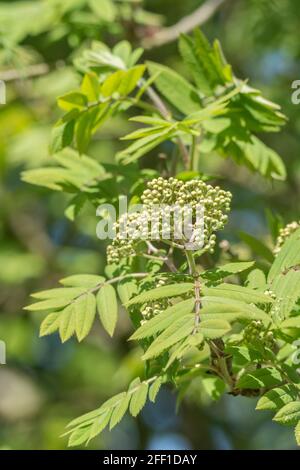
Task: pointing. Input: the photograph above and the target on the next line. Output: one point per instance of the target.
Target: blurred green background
(45, 384)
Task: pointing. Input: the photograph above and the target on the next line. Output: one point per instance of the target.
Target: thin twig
(193, 150)
(167, 259)
(185, 25)
(163, 110)
(126, 276)
(197, 289)
(158, 103)
(184, 153)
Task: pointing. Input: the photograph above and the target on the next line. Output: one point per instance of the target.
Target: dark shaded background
(45, 384)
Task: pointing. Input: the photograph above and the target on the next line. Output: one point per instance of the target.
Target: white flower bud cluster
(123, 247)
(164, 202)
(284, 233)
(270, 293)
(255, 332)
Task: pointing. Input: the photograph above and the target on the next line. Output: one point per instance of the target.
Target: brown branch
(185, 25)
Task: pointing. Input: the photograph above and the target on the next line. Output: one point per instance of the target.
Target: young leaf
(226, 270)
(277, 398)
(85, 310)
(164, 319)
(108, 308)
(256, 280)
(293, 322)
(50, 324)
(237, 293)
(172, 290)
(104, 10)
(202, 61)
(88, 418)
(265, 377)
(286, 287)
(52, 177)
(131, 79)
(138, 399)
(84, 128)
(192, 57)
(62, 136)
(176, 332)
(119, 411)
(233, 311)
(288, 256)
(67, 293)
(82, 280)
(72, 100)
(261, 158)
(99, 424)
(179, 350)
(90, 87)
(126, 290)
(214, 387)
(175, 88)
(112, 83)
(67, 323)
(141, 146)
(214, 328)
(243, 355)
(49, 304)
(289, 414)
(154, 389)
(79, 436)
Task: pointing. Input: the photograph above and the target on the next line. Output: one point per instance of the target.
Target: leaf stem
(164, 111)
(192, 265)
(197, 289)
(167, 259)
(193, 153)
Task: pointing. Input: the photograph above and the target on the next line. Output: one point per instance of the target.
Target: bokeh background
(45, 384)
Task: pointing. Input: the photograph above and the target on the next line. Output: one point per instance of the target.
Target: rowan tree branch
(185, 25)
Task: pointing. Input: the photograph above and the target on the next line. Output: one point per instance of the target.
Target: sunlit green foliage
(233, 331)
